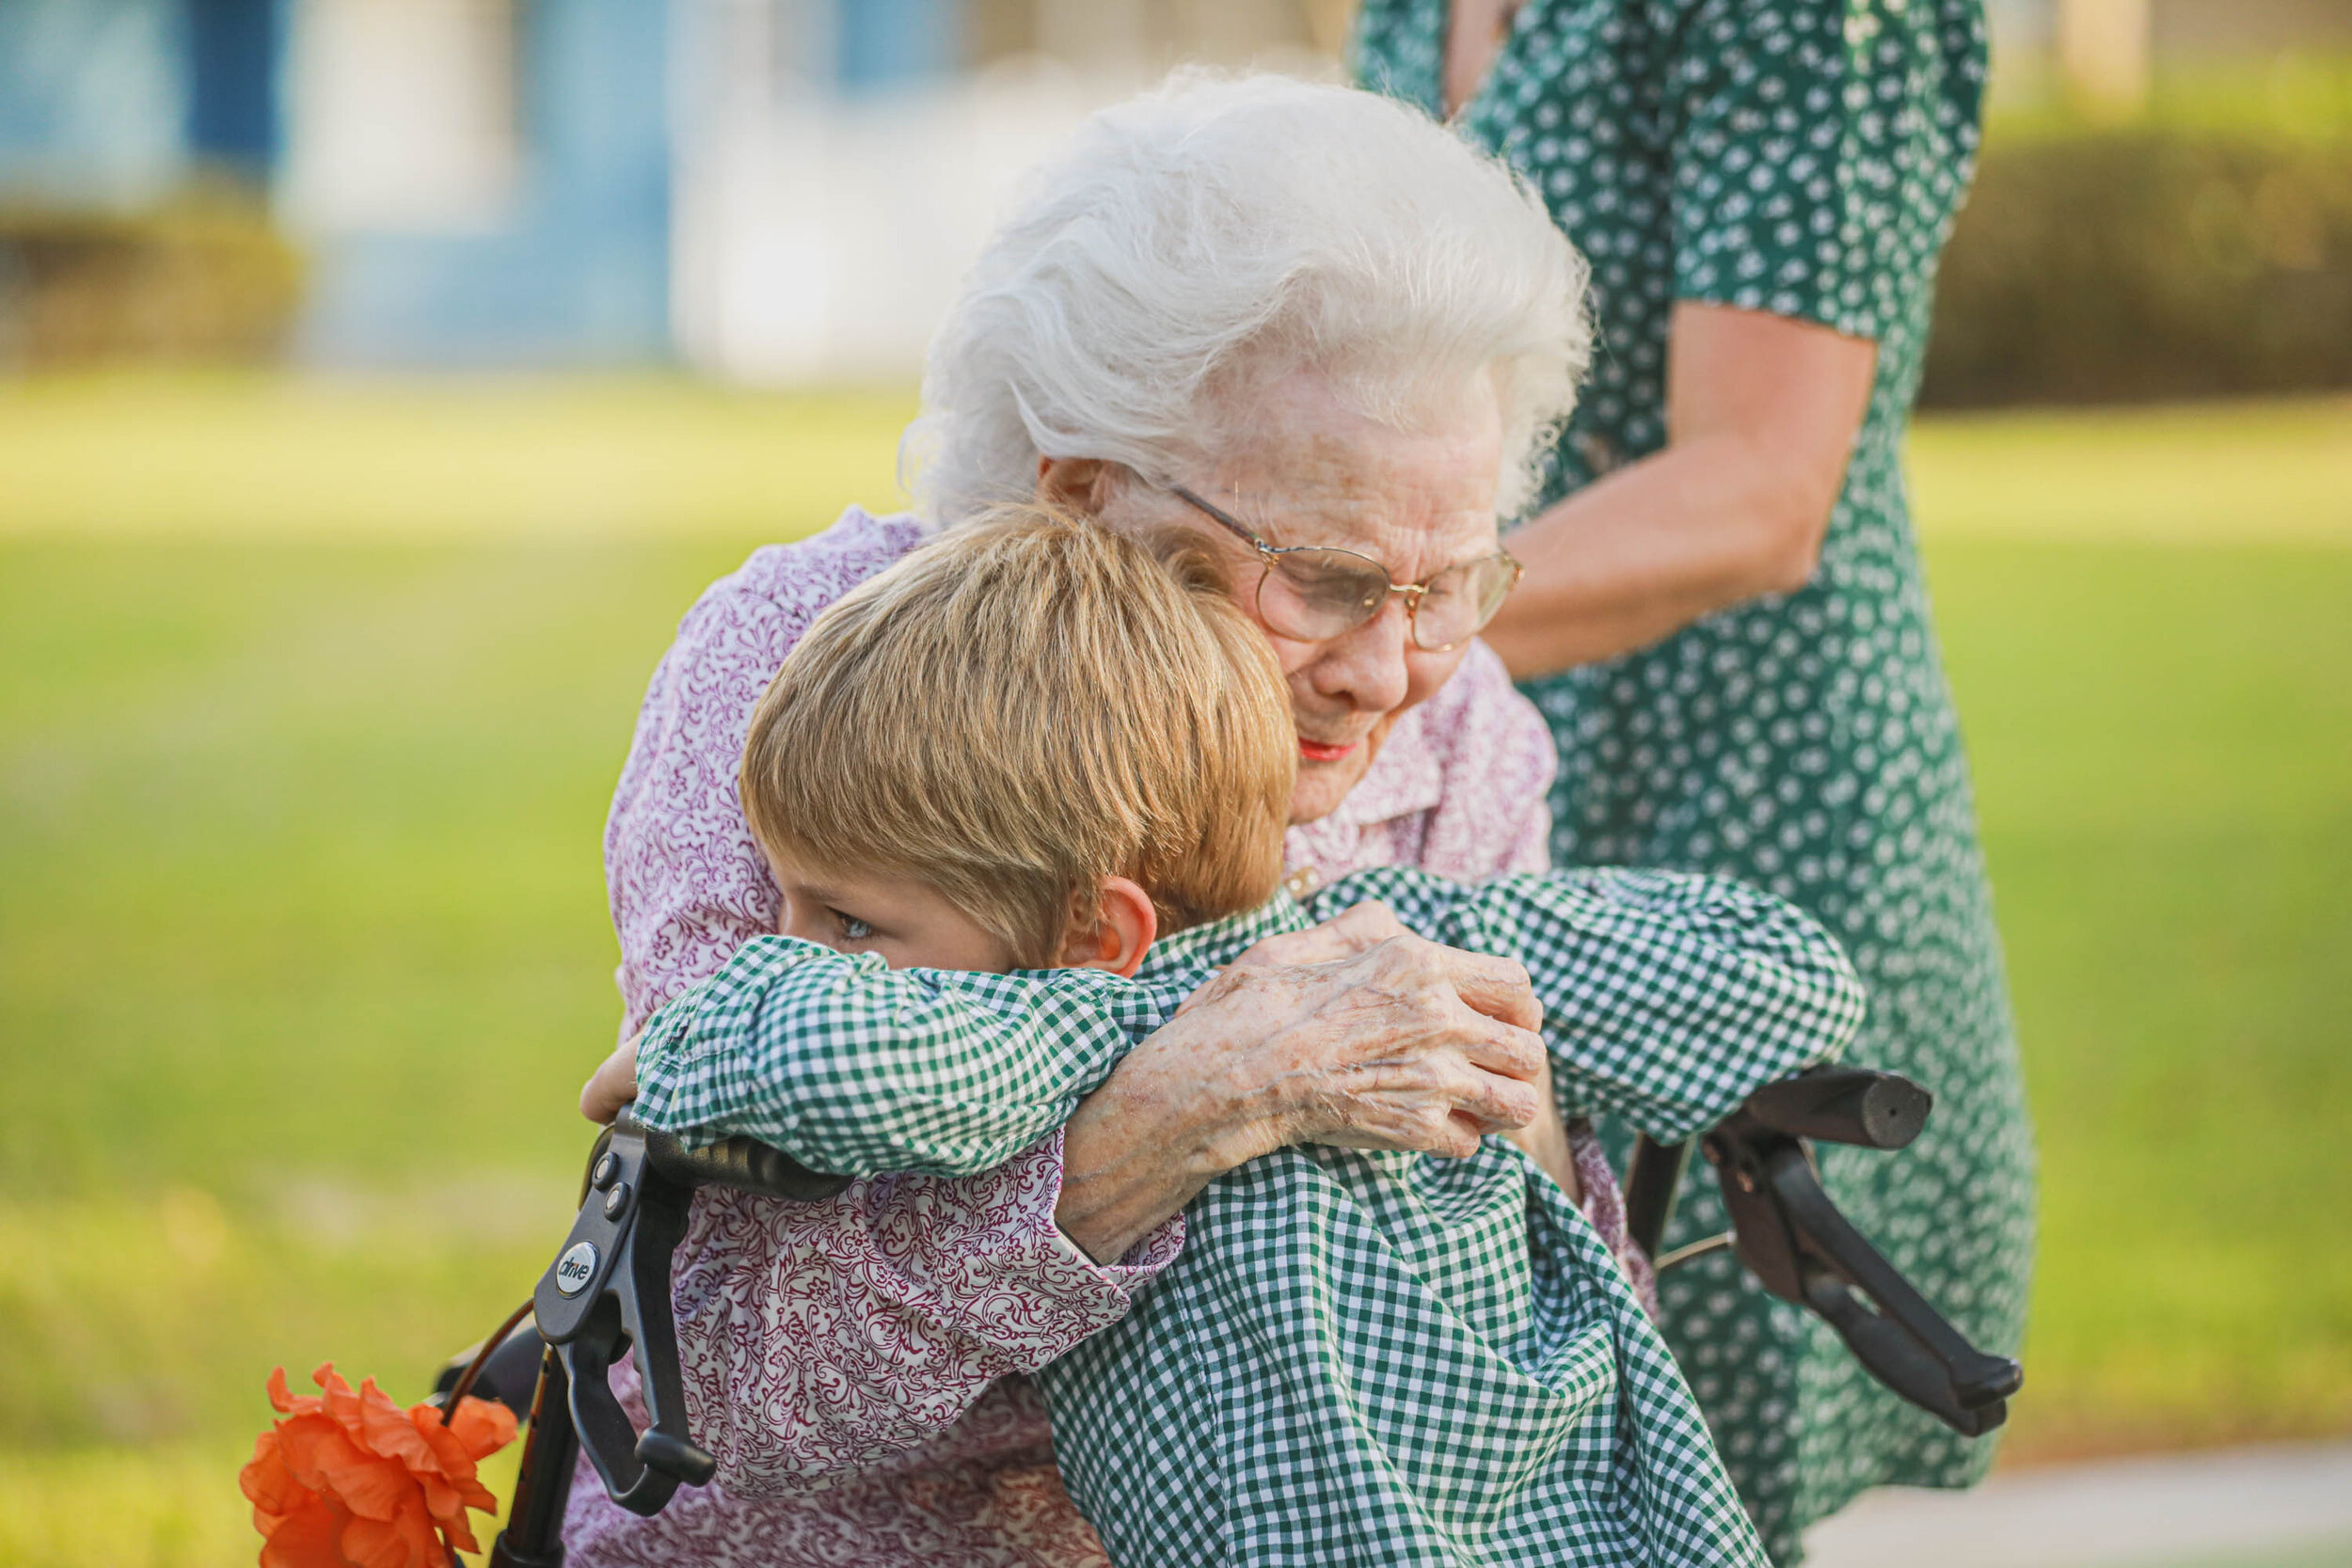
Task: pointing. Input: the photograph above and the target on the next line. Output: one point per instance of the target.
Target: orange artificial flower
(353, 1480)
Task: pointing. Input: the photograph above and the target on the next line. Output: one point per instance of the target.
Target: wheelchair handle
(743, 1162)
(1791, 1238)
(1855, 1105)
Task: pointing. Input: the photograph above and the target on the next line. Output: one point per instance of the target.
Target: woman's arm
(820, 1339)
(1406, 1045)
(686, 885)
(1761, 415)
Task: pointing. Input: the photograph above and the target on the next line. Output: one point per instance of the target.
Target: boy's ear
(1116, 933)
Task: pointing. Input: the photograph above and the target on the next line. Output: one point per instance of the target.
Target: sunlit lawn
(311, 698)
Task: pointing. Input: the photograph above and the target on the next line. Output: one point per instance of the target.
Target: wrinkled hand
(1398, 1044)
(611, 1086)
(1403, 1044)
(1361, 928)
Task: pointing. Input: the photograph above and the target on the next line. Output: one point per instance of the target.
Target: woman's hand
(1399, 1044)
(611, 1086)
(1366, 925)
(1361, 928)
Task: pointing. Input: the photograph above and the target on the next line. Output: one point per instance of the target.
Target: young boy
(1023, 794)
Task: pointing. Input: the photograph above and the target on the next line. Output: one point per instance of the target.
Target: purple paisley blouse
(857, 1366)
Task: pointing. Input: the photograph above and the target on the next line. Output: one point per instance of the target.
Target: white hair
(1197, 242)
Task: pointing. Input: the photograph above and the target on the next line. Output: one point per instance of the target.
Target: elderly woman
(1341, 329)
(1724, 616)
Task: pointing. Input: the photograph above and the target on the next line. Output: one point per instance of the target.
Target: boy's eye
(853, 929)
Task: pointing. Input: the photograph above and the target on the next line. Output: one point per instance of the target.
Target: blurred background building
(778, 191)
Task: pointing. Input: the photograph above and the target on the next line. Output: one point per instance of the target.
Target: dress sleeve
(1668, 998)
(851, 1067)
(686, 882)
(1821, 150)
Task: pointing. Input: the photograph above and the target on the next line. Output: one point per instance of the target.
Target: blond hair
(1021, 708)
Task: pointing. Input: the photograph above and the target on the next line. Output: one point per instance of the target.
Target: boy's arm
(853, 1068)
(1668, 998)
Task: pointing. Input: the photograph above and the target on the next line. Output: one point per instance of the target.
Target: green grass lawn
(303, 948)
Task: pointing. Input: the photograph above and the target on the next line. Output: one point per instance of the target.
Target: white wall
(402, 116)
(818, 237)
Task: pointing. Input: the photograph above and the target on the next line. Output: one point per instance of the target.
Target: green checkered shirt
(1358, 1357)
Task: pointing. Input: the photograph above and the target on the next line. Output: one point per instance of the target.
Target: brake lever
(607, 1293)
(1798, 1245)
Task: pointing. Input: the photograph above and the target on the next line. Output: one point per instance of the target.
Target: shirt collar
(1406, 778)
(1217, 942)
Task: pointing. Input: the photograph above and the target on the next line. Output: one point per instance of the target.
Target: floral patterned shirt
(854, 1363)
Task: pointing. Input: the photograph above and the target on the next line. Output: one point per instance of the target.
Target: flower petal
(484, 1426)
(315, 1449)
(378, 1544)
(441, 1499)
(268, 1485)
(389, 1429)
(461, 1535)
(377, 1488)
(310, 1539)
(339, 1401)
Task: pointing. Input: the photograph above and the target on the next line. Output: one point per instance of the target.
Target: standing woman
(1724, 618)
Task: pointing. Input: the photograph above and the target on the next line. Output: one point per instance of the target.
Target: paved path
(2290, 1503)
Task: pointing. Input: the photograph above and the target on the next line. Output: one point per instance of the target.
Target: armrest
(1799, 1247)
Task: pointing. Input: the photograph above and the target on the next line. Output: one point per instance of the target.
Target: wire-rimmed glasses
(1313, 592)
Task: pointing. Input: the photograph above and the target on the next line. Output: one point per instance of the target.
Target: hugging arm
(1667, 998)
(853, 1068)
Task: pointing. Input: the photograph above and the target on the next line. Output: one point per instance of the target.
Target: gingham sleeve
(1667, 998)
(855, 1068)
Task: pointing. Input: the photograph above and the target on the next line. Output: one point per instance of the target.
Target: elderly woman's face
(1308, 471)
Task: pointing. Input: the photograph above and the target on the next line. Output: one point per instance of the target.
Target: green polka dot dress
(1801, 157)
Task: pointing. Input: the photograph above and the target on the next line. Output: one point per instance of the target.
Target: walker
(608, 1290)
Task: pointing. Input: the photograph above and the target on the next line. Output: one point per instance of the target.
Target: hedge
(2133, 264)
(205, 279)
(2087, 266)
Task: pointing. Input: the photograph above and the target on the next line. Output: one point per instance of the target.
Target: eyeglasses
(1313, 592)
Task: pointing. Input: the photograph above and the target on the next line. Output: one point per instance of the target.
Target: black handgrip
(676, 1456)
(1828, 1240)
(1844, 1105)
(744, 1162)
(1898, 1360)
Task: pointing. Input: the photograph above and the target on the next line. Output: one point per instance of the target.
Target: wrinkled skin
(1355, 1033)
(1304, 468)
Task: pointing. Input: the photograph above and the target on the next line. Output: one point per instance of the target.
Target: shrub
(2142, 264)
(205, 278)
